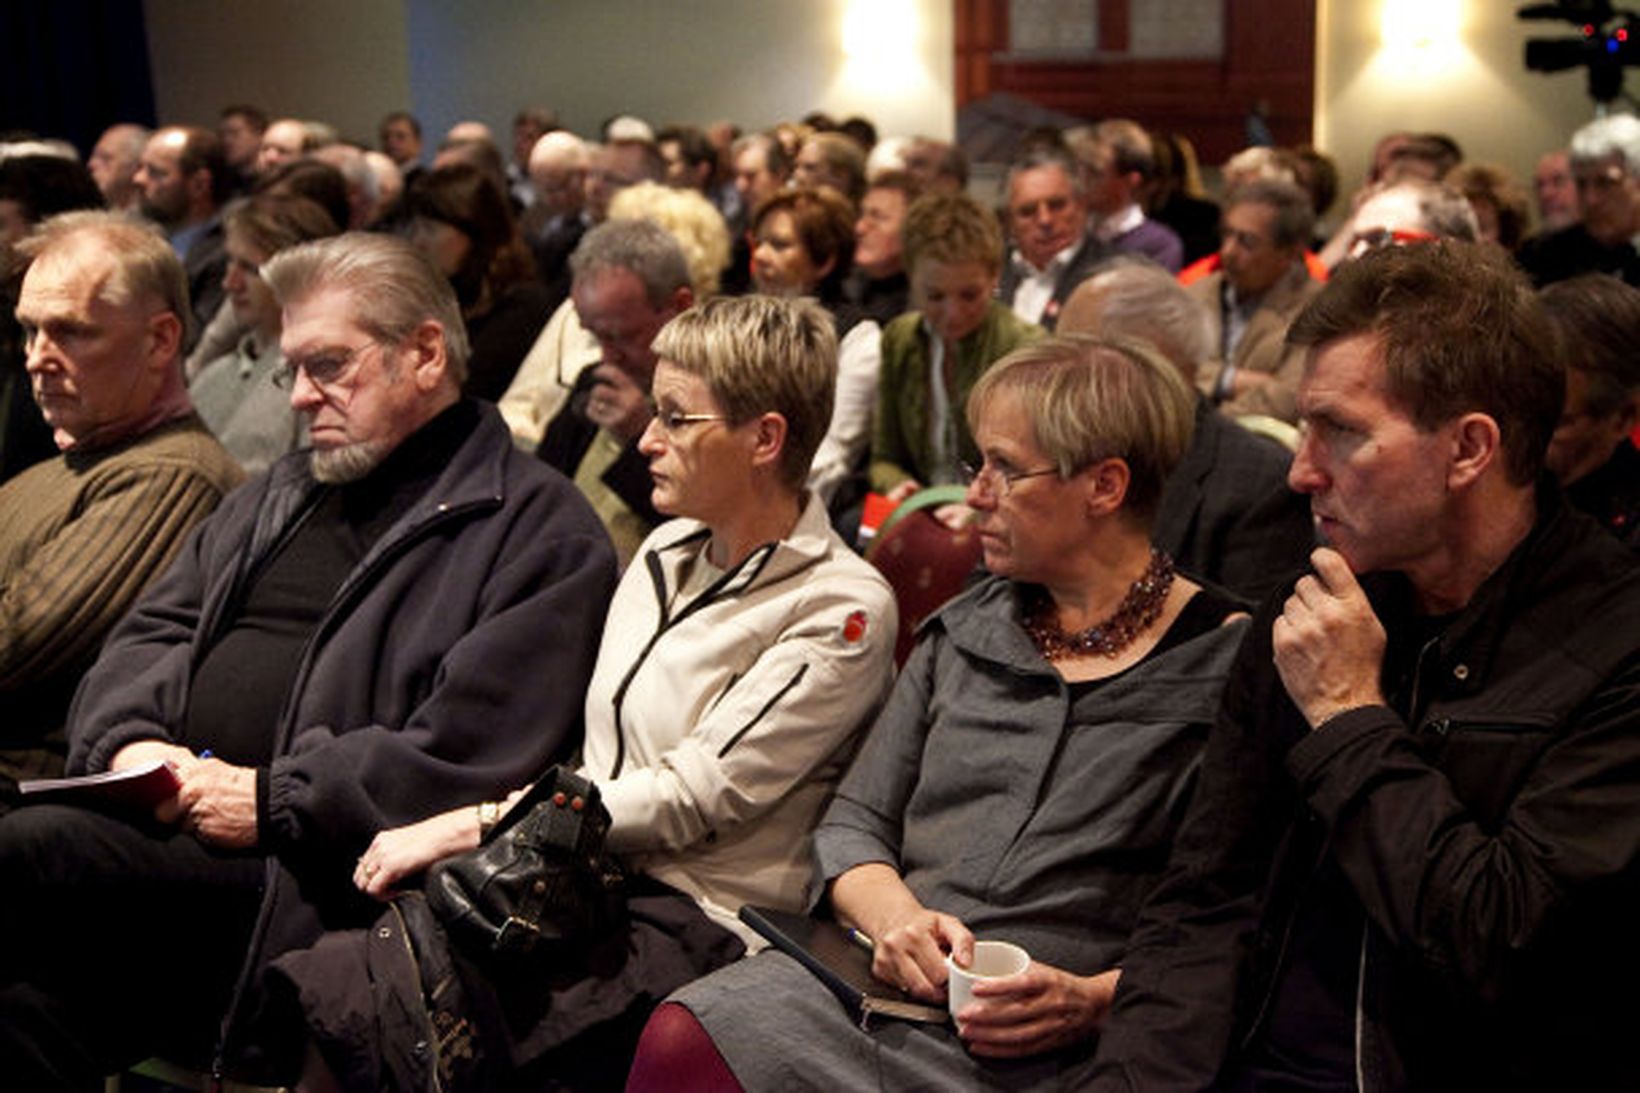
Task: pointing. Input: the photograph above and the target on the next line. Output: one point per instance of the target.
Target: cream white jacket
(718, 726)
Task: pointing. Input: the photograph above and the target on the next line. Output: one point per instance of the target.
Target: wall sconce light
(1421, 37)
(881, 43)
(879, 30)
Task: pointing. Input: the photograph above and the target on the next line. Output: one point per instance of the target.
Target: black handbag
(539, 878)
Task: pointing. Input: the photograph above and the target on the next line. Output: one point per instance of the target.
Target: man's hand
(1329, 646)
(618, 404)
(1039, 1009)
(156, 751)
(150, 751)
(218, 803)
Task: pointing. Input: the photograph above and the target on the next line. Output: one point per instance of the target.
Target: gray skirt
(779, 1028)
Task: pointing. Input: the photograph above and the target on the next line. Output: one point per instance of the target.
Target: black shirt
(243, 680)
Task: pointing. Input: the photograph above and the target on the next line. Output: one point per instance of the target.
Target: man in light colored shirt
(1047, 221)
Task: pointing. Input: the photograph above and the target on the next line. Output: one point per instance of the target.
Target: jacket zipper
(667, 622)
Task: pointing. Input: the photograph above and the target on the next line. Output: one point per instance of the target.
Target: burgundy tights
(676, 1054)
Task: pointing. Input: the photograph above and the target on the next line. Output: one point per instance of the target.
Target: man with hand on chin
(1413, 860)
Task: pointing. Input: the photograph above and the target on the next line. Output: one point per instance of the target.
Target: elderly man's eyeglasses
(988, 474)
(672, 420)
(326, 370)
(1379, 238)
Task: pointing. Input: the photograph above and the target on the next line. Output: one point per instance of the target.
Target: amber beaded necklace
(1139, 608)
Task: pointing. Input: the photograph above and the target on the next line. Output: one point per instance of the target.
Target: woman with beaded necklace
(1028, 776)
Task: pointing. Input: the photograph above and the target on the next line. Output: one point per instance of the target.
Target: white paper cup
(992, 960)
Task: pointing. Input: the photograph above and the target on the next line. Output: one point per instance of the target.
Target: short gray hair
(642, 248)
(1295, 213)
(145, 265)
(1040, 157)
(1613, 135)
(1129, 145)
(1128, 298)
(762, 354)
(394, 288)
(1442, 210)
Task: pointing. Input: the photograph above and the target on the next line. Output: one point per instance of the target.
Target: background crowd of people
(359, 481)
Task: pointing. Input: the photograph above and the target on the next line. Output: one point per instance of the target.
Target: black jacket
(1226, 513)
(1489, 825)
(449, 668)
(1557, 256)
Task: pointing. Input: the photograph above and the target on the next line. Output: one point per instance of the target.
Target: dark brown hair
(467, 199)
(1460, 331)
(1597, 320)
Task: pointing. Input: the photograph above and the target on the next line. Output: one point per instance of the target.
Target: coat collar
(680, 541)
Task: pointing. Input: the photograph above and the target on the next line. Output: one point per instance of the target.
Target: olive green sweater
(80, 537)
(900, 446)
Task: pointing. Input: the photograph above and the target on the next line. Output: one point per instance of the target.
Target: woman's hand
(1039, 1009)
(399, 853)
(911, 954)
(956, 517)
(911, 941)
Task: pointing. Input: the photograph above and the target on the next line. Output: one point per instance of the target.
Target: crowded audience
(378, 508)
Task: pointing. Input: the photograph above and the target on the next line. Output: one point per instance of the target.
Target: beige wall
(350, 62)
(754, 61)
(342, 61)
(1479, 90)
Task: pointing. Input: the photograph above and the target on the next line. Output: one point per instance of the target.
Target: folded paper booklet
(135, 787)
(839, 962)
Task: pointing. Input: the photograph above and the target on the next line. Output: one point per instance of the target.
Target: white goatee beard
(347, 462)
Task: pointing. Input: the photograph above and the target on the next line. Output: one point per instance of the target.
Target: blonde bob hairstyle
(687, 217)
(758, 355)
(1094, 398)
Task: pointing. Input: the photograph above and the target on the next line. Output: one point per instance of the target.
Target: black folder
(842, 964)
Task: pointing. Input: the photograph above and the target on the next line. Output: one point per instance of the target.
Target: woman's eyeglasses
(988, 474)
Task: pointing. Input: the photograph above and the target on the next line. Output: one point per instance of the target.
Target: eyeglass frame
(987, 469)
(1371, 239)
(671, 421)
(284, 377)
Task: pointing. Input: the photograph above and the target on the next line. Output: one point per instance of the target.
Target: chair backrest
(924, 562)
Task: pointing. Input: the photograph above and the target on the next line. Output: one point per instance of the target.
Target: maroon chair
(924, 562)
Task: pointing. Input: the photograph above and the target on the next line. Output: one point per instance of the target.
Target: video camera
(1608, 42)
